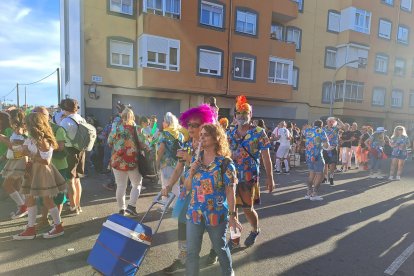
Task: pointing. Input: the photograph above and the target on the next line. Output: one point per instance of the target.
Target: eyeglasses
(193, 125)
(242, 113)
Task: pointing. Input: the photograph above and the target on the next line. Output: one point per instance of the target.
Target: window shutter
(334, 21)
(121, 47)
(159, 45)
(209, 60)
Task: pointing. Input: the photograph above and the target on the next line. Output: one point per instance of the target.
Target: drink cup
(234, 233)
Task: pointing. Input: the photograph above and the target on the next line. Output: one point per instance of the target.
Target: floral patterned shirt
(188, 146)
(169, 157)
(208, 202)
(124, 148)
(333, 135)
(254, 141)
(315, 137)
(399, 145)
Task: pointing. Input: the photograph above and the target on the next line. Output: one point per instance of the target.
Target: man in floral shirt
(316, 140)
(248, 143)
(331, 156)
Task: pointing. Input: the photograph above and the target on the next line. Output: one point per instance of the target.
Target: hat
(380, 129)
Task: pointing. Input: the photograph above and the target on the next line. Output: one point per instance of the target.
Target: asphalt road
(361, 228)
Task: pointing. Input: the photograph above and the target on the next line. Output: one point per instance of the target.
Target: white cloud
(30, 43)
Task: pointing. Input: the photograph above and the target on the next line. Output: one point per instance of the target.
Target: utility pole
(17, 88)
(25, 103)
(58, 84)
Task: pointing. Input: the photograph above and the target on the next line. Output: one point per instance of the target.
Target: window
(406, 5)
(295, 78)
(396, 98)
(300, 5)
(411, 103)
(351, 52)
(362, 21)
(402, 36)
(349, 91)
(169, 8)
(381, 63)
(334, 21)
(388, 2)
(399, 68)
(121, 53)
(276, 32)
(122, 6)
(330, 57)
(209, 62)
(294, 35)
(159, 52)
(384, 29)
(326, 92)
(211, 14)
(280, 71)
(378, 96)
(246, 22)
(243, 68)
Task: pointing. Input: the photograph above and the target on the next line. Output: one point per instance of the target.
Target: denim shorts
(401, 156)
(317, 166)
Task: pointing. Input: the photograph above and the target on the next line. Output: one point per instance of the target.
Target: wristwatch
(232, 213)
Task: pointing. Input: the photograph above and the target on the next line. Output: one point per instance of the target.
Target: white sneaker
(372, 175)
(307, 197)
(380, 177)
(391, 178)
(398, 178)
(316, 198)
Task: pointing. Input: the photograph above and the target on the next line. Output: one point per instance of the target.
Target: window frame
(212, 3)
(379, 28)
(283, 31)
(120, 13)
(256, 24)
(381, 55)
(327, 21)
(299, 2)
(411, 98)
(405, 9)
(404, 69)
(295, 87)
(277, 60)
(358, 28)
(163, 11)
(244, 56)
(326, 100)
(408, 35)
(388, 4)
(212, 50)
(123, 40)
(293, 28)
(376, 88)
(143, 56)
(402, 98)
(327, 49)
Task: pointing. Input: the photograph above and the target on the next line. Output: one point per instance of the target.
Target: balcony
(284, 11)
(282, 48)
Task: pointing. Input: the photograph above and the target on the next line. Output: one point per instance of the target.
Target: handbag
(180, 208)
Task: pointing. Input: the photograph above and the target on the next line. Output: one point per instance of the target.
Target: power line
(11, 91)
(27, 84)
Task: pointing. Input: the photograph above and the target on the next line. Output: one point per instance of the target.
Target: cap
(380, 129)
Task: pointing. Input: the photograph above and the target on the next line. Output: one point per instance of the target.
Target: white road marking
(400, 260)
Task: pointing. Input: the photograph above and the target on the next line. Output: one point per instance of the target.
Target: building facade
(288, 57)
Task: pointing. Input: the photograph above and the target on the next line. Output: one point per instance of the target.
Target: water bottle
(234, 233)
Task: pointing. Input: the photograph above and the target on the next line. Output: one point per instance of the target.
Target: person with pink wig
(192, 120)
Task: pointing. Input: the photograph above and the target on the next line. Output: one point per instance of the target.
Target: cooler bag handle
(166, 204)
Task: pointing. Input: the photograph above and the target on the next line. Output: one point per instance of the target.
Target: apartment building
(288, 57)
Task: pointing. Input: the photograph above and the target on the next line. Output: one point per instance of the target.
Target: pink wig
(203, 112)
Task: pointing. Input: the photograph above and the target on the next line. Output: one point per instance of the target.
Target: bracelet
(232, 213)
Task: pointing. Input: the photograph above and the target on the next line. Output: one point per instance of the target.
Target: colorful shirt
(169, 157)
(254, 141)
(399, 145)
(3, 147)
(315, 137)
(208, 202)
(333, 135)
(188, 146)
(124, 148)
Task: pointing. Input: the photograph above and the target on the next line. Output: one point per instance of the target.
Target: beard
(242, 121)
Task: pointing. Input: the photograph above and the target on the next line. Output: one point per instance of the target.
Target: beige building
(284, 55)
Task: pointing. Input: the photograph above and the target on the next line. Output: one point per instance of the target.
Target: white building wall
(72, 88)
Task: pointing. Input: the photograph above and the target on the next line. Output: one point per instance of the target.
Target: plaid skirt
(43, 181)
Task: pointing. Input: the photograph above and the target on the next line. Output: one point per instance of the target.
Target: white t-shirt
(71, 127)
(285, 135)
(275, 133)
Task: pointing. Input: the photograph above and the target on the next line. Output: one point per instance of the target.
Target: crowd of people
(212, 166)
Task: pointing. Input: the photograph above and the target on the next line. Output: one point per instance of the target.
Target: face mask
(242, 121)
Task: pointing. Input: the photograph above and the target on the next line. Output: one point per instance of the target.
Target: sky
(30, 46)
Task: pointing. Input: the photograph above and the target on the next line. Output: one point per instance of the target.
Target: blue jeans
(374, 163)
(218, 239)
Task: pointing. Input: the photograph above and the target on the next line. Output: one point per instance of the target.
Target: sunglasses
(193, 125)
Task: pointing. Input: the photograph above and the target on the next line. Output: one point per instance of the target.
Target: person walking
(399, 142)
(212, 181)
(248, 143)
(284, 137)
(366, 133)
(333, 125)
(355, 148)
(376, 155)
(41, 178)
(316, 140)
(123, 140)
(346, 145)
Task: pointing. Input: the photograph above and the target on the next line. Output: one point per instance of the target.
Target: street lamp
(362, 63)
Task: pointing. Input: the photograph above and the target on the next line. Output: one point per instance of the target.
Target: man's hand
(270, 184)
(234, 223)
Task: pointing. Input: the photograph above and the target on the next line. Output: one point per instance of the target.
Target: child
(13, 171)
(41, 178)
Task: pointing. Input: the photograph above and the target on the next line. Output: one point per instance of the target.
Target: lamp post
(362, 63)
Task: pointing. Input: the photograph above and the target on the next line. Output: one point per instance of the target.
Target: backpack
(85, 136)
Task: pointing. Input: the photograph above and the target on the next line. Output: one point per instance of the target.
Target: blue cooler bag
(123, 243)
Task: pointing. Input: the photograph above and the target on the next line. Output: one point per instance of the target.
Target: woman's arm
(189, 180)
(160, 154)
(231, 201)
